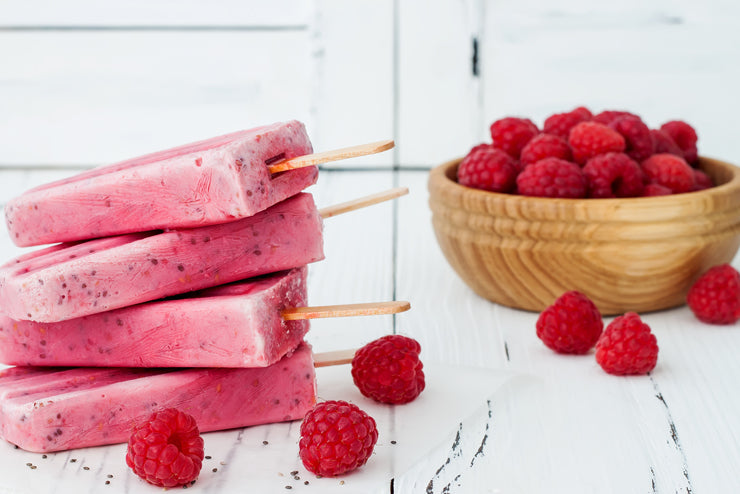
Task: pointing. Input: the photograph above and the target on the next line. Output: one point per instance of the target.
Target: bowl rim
(722, 197)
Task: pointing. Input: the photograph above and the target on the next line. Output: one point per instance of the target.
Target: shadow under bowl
(634, 254)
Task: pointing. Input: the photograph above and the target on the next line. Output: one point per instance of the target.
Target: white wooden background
(84, 83)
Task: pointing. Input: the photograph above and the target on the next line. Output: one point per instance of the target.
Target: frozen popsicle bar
(52, 410)
(203, 183)
(234, 325)
(72, 280)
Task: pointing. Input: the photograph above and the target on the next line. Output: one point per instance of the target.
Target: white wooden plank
(697, 379)
(359, 260)
(352, 83)
(98, 97)
(154, 13)
(650, 58)
(439, 98)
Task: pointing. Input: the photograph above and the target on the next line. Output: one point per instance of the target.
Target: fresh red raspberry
(639, 142)
(715, 297)
(702, 180)
(511, 134)
(560, 124)
(487, 168)
(653, 190)
(589, 139)
(336, 437)
(545, 146)
(663, 143)
(684, 136)
(552, 177)
(608, 116)
(627, 346)
(166, 450)
(613, 175)
(670, 171)
(584, 112)
(388, 369)
(571, 325)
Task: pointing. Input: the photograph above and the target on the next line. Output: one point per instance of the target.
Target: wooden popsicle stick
(338, 357)
(334, 155)
(363, 202)
(345, 310)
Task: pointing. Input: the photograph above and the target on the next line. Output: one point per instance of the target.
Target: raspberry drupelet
(166, 450)
(559, 124)
(685, 137)
(552, 177)
(511, 134)
(388, 369)
(627, 346)
(487, 168)
(663, 143)
(638, 141)
(572, 324)
(714, 298)
(589, 139)
(669, 171)
(336, 437)
(545, 146)
(613, 175)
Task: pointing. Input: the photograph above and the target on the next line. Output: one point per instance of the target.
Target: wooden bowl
(635, 254)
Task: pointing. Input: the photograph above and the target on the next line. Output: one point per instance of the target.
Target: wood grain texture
(626, 254)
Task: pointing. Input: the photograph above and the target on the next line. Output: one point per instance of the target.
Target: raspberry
(639, 142)
(571, 325)
(670, 171)
(684, 136)
(584, 112)
(715, 297)
(488, 169)
(652, 190)
(166, 450)
(613, 175)
(608, 116)
(702, 180)
(560, 124)
(545, 146)
(589, 139)
(552, 177)
(388, 369)
(511, 134)
(663, 143)
(336, 437)
(627, 346)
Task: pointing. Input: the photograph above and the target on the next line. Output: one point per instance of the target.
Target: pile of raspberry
(581, 155)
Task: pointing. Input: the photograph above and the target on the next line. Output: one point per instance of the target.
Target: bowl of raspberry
(600, 203)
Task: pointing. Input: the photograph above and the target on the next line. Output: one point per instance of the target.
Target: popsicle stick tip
(346, 310)
(333, 155)
(337, 357)
(363, 202)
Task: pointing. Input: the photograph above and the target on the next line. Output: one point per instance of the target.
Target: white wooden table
(85, 83)
(527, 420)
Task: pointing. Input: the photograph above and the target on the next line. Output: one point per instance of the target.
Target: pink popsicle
(236, 325)
(52, 410)
(67, 281)
(203, 183)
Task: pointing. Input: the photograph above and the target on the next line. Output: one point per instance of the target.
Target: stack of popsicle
(212, 225)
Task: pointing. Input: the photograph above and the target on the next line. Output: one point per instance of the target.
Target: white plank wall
(84, 83)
